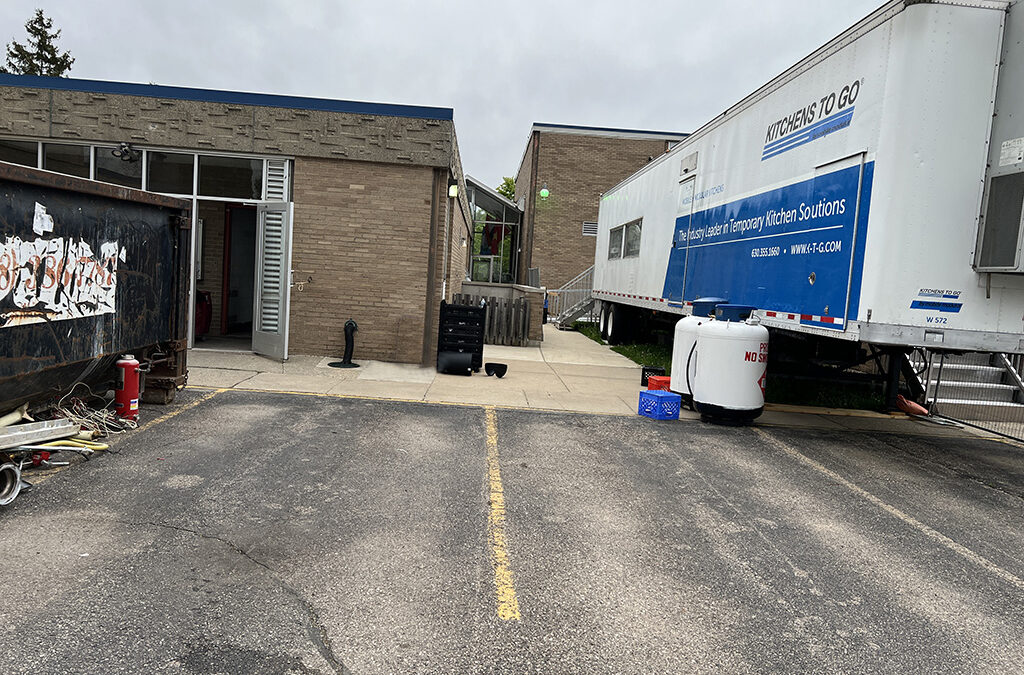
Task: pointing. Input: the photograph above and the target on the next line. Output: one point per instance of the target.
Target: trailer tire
(617, 325)
(602, 320)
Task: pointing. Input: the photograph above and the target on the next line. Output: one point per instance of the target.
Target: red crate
(658, 382)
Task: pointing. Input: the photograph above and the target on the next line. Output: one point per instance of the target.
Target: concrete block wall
(201, 125)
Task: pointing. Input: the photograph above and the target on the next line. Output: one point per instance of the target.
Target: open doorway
(226, 277)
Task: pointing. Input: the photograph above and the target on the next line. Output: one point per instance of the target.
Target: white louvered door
(273, 277)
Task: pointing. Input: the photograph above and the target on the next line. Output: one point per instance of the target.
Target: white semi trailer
(871, 193)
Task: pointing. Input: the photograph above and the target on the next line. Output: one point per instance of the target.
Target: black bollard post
(350, 339)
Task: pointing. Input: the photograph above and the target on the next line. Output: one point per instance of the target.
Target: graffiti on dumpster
(56, 279)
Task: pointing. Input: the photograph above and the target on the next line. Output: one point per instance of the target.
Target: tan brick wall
(577, 170)
(361, 231)
(200, 125)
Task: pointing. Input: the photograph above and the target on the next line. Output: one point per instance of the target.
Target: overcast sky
(665, 65)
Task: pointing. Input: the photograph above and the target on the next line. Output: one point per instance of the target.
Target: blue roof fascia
(228, 97)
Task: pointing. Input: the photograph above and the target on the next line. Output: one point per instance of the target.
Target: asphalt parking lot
(280, 533)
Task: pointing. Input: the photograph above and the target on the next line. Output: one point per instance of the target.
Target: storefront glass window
(72, 160)
(170, 172)
(230, 177)
(19, 152)
(125, 170)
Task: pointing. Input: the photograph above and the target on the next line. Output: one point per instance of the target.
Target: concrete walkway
(568, 372)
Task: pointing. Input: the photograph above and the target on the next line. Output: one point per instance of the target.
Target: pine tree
(39, 56)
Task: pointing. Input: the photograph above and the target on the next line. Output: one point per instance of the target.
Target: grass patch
(589, 329)
(647, 355)
(641, 353)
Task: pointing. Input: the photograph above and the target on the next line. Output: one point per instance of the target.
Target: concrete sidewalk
(568, 372)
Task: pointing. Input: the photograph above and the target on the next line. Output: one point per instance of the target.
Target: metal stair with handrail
(573, 301)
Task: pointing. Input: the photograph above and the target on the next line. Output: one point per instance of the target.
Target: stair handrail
(1012, 370)
(578, 290)
(587, 274)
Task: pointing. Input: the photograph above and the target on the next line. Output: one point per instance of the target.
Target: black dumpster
(88, 272)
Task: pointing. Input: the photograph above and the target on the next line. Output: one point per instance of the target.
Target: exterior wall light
(544, 192)
(453, 191)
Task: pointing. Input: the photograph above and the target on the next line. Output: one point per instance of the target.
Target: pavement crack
(314, 625)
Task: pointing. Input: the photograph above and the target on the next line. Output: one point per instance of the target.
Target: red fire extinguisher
(126, 398)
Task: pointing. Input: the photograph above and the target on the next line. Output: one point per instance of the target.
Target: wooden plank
(496, 318)
(514, 328)
(504, 321)
(523, 317)
(526, 322)
(517, 332)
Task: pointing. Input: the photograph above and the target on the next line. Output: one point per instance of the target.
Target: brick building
(307, 212)
(564, 171)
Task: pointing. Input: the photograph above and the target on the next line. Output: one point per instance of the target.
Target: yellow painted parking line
(177, 411)
(931, 533)
(504, 583)
(38, 478)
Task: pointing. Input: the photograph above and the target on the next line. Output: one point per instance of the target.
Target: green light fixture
(544, 192)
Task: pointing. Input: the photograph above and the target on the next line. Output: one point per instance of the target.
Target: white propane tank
(732, 361)
(682, 350)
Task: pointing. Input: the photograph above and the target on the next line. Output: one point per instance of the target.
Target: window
(219, 177)
(120, 171)
(1003, 218)
(70, 159)
(230, 177)
(170, 172)
(589, 229)
(25, 153)
(632, 247)
(615, 243)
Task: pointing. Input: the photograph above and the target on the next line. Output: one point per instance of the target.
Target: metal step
(569, 316)
(974, 391)
(970, 359)
(968, 372)
(980, 411)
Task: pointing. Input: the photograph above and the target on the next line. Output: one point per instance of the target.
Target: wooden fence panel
(508, 321)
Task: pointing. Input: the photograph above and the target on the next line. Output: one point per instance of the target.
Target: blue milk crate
(659, 405)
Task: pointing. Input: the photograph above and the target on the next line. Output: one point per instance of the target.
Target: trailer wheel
(602, 320)
(618, 325)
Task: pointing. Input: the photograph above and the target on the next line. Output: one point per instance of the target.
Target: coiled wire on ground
(103, 421)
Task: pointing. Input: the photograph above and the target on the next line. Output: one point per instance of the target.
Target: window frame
(613, 254)
(638, 224)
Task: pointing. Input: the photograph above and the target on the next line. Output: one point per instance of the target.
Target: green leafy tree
(39, 56)
(508, 188)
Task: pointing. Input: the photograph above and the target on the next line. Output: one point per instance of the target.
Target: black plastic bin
(460, 331)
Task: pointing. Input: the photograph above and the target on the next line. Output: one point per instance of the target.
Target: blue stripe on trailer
(817, 130)
(952, 307)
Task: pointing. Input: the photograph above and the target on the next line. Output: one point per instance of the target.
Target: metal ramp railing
(574, 301)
